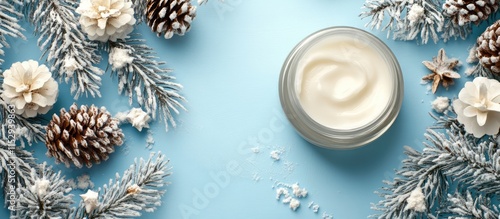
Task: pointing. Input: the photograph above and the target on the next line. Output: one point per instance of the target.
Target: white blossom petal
(470, 111)
(478, 107)
(481, 118)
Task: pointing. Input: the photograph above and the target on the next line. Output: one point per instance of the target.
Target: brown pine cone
(488, 48)
(169, 17)
(463, 12)
(82, 136)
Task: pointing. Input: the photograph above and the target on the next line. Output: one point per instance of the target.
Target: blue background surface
(229, 65)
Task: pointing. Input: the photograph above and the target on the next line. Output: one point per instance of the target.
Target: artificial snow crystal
(292, 199)
(150, 141)
(40, 187)
(314, 207)
(84, 182)
(299, 192)
(416, 200)
(441, 104)
(121, 116)
(294, 204)
(281, 192)
(119, 58)
(70, 66)
(255, 150)
(275, 155)
(327, 216)
(416, 12)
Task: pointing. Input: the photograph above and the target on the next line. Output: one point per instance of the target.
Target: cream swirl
(343, 83)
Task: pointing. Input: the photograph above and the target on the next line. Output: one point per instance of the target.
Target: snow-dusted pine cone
(488, 48)
(463, 12)
(105, 20)
(169, 17)
(83, 136)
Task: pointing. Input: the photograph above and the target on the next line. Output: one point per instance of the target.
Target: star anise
(443, 70)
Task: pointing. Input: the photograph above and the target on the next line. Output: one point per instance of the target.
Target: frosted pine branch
(453, 30)
(9, 23)
(16, 166)
(44, 196)
(474, 165)
(139, 189)
(140, 9)
(22, 129)
(455, 157)
(144, 77)
(412, 19)
(71, 56)
(464, 205)
(413, 174)
(478, 70)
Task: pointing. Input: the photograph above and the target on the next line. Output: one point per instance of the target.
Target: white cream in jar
(341, 87)
(343, 83)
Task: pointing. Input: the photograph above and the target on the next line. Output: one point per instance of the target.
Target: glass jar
(327, 136)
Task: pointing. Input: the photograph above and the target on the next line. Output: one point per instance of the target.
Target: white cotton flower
(90, 199)
(416, 201)
(478, 106)
(105, 20)
(119, 58)
(416, 13)
(30, 88)
(138, 118)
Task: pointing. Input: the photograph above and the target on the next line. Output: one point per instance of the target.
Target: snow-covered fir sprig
(454, 158)
(139, 7)
(477, 70)
(46, 195)
(139, 189)
(412, 20)
(70, 55)
(16, 165)
(27, 130)
(141, 75)
(9, 23)
(464, 205)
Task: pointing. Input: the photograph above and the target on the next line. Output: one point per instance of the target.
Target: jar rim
(325, 136)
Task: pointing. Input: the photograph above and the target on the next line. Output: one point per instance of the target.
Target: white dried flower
(138, 118)
(478, 106)
(119, 58)
(416, 201)
(105, 20)
(30, 88)
(90, 199)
